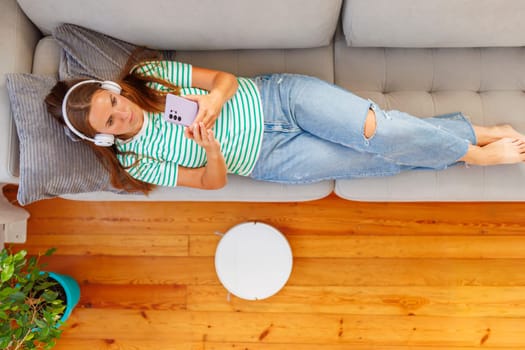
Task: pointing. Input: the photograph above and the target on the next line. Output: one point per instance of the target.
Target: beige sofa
(423, 57)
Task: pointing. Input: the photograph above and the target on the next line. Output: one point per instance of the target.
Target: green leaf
(7, 272)
(8, 260)
(20, 255)
(17, 296)
(44, 285)
(49, 296)
(6, 292)
(4, 341)
(50, 251)
(41, 324)
(32, 263)
(18, 332)
(44, 332)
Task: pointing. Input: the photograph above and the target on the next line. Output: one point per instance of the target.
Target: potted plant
(33, 303)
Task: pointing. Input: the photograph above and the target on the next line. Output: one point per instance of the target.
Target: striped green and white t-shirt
(161, 147)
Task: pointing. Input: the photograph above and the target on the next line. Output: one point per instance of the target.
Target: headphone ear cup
(104, 140)
(111, 86)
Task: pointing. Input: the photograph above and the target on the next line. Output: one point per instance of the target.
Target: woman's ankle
(474, 155)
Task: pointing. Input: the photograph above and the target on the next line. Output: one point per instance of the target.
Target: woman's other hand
(213, 174)
(203, 137)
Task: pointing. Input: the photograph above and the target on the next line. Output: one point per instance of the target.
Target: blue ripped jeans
(315, 131)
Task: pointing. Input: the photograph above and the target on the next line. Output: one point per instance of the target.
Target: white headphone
(104, 140)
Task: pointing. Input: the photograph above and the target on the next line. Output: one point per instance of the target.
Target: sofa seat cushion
(238, 189)
(485, 84)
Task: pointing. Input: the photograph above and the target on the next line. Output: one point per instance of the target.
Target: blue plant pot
(72, 291)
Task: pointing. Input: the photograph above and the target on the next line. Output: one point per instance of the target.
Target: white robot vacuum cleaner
(253, 261)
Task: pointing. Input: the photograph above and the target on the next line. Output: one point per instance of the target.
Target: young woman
(279, 127)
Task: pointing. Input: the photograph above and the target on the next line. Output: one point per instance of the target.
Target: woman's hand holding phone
(210, 106)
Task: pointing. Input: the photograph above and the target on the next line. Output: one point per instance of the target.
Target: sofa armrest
(17, 44)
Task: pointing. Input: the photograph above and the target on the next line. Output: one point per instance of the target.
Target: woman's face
(112, 113)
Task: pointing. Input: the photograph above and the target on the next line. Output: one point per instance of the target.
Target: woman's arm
(221, 86)
(213, 175)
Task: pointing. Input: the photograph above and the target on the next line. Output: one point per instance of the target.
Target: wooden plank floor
(391, 276)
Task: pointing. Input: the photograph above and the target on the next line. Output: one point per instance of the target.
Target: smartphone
(180, 110)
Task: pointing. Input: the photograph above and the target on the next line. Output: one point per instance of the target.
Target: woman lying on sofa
(280, 127)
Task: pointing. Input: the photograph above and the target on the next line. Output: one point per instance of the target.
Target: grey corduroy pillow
(50, 163)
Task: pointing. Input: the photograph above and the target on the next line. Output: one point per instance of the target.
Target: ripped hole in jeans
(370, 124)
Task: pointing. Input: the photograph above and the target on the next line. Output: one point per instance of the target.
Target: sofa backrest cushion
(195, 25)
(434, 23)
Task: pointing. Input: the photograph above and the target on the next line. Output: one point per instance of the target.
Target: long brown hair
(135, 88)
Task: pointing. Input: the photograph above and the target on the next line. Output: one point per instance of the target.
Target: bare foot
(503, 151)
(488, 134)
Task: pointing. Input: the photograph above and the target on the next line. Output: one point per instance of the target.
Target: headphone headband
(104, 140)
